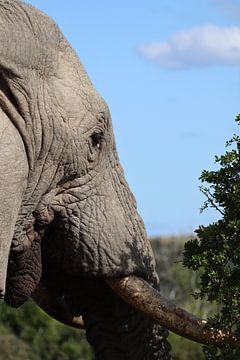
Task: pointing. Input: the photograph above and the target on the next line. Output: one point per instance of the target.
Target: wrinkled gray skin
(67, 214)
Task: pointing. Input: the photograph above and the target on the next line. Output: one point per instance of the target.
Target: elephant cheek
(99, 236)
(24, 273)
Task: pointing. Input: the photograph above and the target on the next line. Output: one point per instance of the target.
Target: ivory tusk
(146, 299)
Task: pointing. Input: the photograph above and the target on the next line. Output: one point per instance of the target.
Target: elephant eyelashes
(97, 140)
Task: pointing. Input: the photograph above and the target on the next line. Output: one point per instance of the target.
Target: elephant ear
(29, 47)
(29, 39)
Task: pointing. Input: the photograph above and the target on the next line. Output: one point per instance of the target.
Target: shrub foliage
(216, 250)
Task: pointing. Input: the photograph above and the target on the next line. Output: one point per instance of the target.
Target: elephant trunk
(13, 180)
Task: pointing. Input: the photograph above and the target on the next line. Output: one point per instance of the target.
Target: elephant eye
(97, 140)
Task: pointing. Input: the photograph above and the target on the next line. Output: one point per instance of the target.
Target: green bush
(216, 251)
(28, 333)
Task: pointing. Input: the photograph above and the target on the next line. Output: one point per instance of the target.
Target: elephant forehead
(72, 92)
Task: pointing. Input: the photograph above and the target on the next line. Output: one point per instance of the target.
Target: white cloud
(207, 45)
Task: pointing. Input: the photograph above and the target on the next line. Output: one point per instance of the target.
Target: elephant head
(71, 236)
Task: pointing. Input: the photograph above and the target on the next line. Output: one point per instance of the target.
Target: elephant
(71, 236)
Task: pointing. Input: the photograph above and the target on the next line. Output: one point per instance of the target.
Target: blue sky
(169, 71)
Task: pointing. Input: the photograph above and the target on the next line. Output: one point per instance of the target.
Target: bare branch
(210, 199)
